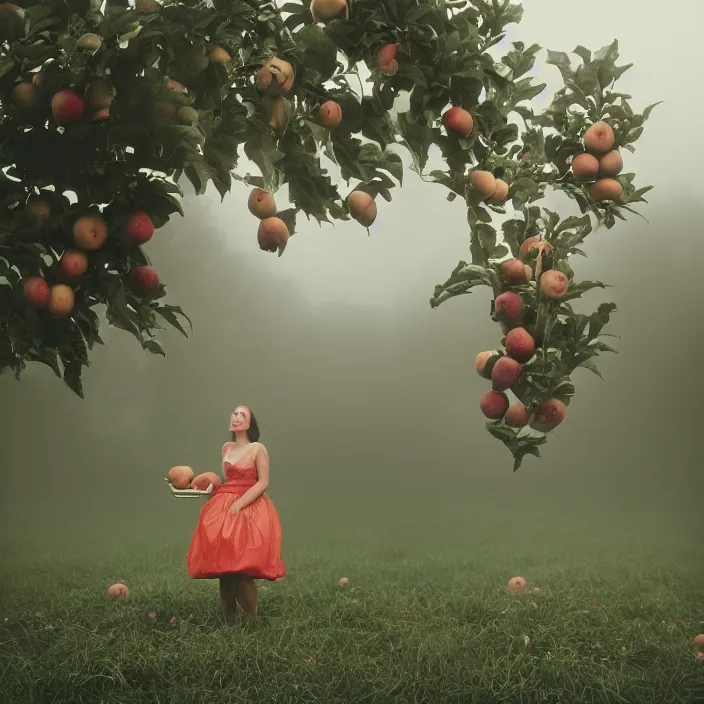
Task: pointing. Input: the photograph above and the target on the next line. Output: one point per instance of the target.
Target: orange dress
(247, 542)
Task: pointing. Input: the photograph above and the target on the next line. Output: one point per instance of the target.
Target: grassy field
(605, 624)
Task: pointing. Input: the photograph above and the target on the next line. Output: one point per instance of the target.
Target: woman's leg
(247, 596)
(228, 598)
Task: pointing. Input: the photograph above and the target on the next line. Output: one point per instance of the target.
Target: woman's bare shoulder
(260, 449)
(226, 447)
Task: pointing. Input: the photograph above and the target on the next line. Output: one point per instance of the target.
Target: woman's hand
(236, 507)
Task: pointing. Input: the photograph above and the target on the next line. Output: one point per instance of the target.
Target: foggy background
(367, 398)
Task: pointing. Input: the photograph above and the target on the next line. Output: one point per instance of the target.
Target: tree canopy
(108, 106)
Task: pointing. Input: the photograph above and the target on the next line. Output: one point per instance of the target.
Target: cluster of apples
(505, 367)
(273, 233)
(172, 106)
(172, 111)
(274, 80)
(69, 105)
(183, 477)
(600, 163)
(325, 11)
(90, 232)
(95, 100)
(490, 189)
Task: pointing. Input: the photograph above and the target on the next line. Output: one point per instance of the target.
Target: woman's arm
(225, 448)
(261, 461)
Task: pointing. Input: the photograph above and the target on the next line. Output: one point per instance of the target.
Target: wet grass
(603, 626)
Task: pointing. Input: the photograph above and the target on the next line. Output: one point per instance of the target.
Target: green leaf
(589, 364)
(563, 266)
(519, 445)
(605, 59)
(482, 243)
(118, 24)
(262, 150)
(394, 165)
(48, 356)
(7, 64)
(418, 138)
(220, 153)
(72, 378)
(171, 315)
(600, 346)
(524, 90)
(119, 313)
(564, 391)
(74, 356)
(649, 109)
(320, 53)
(505, 135)
(154, 347)
(562, 61)
(289, 218)
(576, 290)
(525, 190)
(574, 222)
(599, 320)
(198, 173)
(583, 53)
(464, 277)
(521, 60)
(89, 324)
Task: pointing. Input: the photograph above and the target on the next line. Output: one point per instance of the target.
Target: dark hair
(253, 433)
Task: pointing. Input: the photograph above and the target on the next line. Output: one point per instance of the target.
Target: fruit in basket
(181, 477)
(203, 481)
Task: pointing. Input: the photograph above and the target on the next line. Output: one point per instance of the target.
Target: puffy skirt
(248, 542)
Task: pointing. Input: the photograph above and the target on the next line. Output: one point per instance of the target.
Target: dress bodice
(243, 475)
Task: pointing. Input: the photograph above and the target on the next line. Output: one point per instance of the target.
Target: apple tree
(109, 106)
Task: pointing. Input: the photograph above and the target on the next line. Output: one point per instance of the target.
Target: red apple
(37, 292)
(144, 279)
(459, 121)
(73, 264)
(139, 228)
(386, 59)
(67, 106)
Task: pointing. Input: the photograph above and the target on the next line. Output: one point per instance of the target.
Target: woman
(238, 535)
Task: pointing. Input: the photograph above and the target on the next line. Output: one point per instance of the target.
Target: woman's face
(240, 419)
